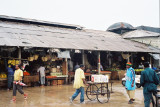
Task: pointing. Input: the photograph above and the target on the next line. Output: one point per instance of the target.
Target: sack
(152, 87)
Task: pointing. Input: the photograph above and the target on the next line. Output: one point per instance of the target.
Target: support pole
(99, 63)
(19, 54)
(132, 58)
(110, 61)
(66, 73)
(151, 61)
(83, 60)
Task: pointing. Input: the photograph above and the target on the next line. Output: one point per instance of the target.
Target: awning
(64, 54)
(156, 56)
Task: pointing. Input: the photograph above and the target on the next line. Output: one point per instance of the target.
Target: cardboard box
(54, 82)
(99, 78)
(60, 82)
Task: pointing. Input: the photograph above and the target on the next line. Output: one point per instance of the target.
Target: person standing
(79, 82)
(10, 76)
(149, 79)
(130, 82)
(18, 74)
(42, 74)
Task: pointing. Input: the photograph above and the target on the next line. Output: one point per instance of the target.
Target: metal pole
(99, 63)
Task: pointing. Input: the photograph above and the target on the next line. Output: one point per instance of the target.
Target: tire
(103, 94)
(91, 92)
(138, 85)
(123, 83)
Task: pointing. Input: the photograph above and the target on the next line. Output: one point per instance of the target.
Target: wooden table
(55, 78)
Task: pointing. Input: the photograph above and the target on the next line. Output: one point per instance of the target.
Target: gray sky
(92, 14)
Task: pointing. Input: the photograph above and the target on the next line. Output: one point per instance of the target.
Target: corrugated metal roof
(33, 35)
(148, 28)
(140, 34)
(40, 22)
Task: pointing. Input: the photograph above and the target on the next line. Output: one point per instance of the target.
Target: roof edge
(39, 22)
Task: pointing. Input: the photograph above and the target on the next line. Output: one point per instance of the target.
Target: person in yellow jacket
(79, 83)
(18, 74)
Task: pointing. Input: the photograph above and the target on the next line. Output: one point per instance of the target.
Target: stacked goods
(26, 73)
(51, 76)
(99, 78)
(49, 57)
(35, 57)
(71, 73)
(3, 75)
(13, 62)
(62, 76)
(54, 70)
(44, 59)
(56, 74)
(60, 82)
(54, 82)
(87, 73)
(53, 59)
(30, 58)
(139, 70)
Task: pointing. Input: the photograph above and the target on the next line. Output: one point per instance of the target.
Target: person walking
(79, 83)
(10, 76)
(18, 74)
(149, 80)
(130, 82)
(42, 74)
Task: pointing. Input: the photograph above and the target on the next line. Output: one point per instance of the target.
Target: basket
(30, 58)
(36, 57)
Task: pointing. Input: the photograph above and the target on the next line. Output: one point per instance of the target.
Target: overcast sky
(92, 14)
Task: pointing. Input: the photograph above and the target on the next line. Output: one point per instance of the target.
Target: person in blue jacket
(130, 82)
(148, 76)
(10, 71)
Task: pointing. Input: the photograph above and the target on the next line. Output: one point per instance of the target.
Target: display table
(28, 80)
(54, 78)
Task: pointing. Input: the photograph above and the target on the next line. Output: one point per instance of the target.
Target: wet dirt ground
(58, 96)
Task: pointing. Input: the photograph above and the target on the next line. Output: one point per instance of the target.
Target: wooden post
(66, 61)
(132, 58)
(83, 60)
(151, 61)
(110, 61)
(19, 54)
(99, 63)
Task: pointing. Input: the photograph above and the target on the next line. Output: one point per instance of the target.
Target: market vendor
(130, 82)
(41, 70)
(10, 76)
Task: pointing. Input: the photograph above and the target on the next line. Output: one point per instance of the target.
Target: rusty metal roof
(35, 35)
